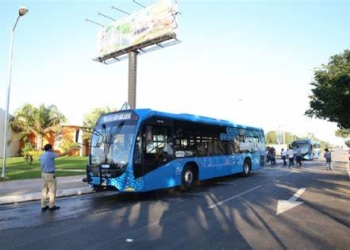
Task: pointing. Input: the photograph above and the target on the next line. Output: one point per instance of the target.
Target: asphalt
(30, 190)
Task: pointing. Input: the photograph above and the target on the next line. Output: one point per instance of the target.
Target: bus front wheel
(97, 188)
(187, 178)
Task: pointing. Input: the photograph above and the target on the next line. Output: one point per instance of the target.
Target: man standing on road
(47, 161)
(284, 156)
(298, 157)
(328, 156)
(290, 154)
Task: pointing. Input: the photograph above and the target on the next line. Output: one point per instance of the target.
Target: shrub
(28, 149)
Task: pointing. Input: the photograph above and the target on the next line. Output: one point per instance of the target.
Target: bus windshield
(309, 149)
(302, 145)
(112, 144)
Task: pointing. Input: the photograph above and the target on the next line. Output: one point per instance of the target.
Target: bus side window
(211, 148)
(150, 146)
(169, 147)
(202, 150)
(138, 151)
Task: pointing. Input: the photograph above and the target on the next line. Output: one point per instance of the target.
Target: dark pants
(284, 160)
(299, 160)
(291, 162)
(273, 160)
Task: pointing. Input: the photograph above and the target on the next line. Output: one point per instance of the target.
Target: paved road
(226, 213)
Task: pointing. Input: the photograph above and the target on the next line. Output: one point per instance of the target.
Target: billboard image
(155, 22)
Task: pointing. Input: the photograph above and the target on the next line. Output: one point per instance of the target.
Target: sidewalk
(30, 190)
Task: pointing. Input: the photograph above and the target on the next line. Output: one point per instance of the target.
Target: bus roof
(305, 141)
(302, 141)
(145, 113)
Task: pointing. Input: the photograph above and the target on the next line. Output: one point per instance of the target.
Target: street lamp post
(21, 12)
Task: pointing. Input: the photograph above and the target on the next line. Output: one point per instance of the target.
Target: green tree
(289, 137)
(271, 137)
(91, 118)
(344, 133)
(39, 121)
(330, 99)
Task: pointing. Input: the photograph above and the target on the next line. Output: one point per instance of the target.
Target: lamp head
(22, 11)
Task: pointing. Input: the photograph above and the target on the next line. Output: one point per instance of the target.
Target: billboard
(148, 26)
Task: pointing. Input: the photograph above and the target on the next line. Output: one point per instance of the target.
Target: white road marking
(285, 205)
(233, 197)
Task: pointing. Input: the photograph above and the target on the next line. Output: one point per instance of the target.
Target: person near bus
(47, 162)
(284, 156)
(290, 154)
(268, 158)
(298, 157)
(328, 156)
(272, 155)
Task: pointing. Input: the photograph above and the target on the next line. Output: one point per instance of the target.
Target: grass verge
(17, 169)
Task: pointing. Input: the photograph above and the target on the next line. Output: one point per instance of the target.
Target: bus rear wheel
(246, 169)
(188, 178)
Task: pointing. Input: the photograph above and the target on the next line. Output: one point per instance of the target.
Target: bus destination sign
(117, 117)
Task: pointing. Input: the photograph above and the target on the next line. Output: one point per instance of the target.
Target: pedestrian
(298, 157)
(290, 154)
(267, 154)
(328, 156)
(284, 156)
(47, 162)
(272, 153)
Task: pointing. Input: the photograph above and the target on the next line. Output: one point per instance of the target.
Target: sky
(250, 62)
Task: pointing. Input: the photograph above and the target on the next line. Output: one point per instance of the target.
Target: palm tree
(39, 121)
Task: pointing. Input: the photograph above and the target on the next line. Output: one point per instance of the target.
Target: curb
(37, 196)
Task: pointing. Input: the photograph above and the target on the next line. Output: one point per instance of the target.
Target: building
(60, 141)
(13, 141)
(68, 135)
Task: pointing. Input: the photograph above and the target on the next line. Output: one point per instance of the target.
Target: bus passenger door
(154, 148)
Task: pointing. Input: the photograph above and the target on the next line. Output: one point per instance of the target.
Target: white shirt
(290, 153)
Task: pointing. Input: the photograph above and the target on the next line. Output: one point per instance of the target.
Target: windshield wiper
(90, 130)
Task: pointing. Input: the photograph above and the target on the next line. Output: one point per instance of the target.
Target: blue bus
(309, 149)
(139, 150)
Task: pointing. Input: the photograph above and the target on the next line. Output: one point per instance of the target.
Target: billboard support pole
(105, 16)
(138, 4)
(88, 20)
(114, 8)
(132, 78)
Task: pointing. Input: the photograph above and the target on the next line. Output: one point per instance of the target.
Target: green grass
(18, 169)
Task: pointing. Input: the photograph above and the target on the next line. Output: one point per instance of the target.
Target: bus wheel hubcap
(188, 177)
(246, 168)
